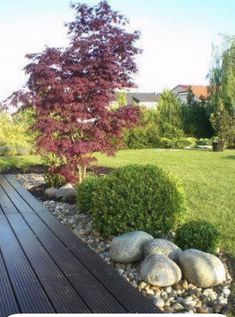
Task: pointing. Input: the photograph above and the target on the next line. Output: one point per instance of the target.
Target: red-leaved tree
(72, 88)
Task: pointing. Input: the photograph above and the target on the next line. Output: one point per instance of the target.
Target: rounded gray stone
(50, 192)
(65, 192)
(163, 247)
(158, 302)
(201, 268)
(128, 247)
(159, 270)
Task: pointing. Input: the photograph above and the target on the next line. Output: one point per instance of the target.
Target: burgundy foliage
(72, 89)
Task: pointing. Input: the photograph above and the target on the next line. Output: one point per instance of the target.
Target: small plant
(204, 141)
(138, 198)
(177, 143)
(200, 235)
(85, 191)
(54, 180)
(52, 177)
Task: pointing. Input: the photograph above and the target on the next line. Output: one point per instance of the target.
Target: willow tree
(222, 89)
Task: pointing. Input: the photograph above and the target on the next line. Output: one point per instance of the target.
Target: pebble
(168, 290)
(181, 297)
(164, 295)
(158, 302)
(178, 307)
(150, 292)
(226, 292)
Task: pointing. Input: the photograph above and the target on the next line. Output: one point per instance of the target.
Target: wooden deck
(45, 268)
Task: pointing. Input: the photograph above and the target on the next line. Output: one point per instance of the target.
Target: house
(148, 100)
(199, 91)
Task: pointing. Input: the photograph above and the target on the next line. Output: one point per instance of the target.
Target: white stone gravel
(181, 297)
(30, 180)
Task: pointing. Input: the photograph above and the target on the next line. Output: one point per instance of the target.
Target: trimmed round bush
(136, 197)
(84, 193)
(200, 235)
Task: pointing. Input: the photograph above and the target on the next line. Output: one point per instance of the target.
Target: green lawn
(23, 162)
(208, 178)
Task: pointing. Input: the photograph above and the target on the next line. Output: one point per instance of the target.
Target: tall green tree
(196, 117)
(170, 115)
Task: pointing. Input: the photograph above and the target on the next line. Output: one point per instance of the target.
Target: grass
(18, 162)
(208, 178)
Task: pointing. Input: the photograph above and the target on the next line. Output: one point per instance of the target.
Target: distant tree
(72, 89)
(222, 122)
(170, 115)
(222, 91)
(196, 117)
(120, 100)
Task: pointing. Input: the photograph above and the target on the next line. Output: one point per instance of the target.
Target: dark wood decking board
(42, 257)
(92, 292)
(8, 303)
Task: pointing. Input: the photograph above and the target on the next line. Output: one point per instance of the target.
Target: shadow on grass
(19, 164)
(229, 157)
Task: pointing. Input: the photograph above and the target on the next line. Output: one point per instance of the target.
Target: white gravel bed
(30, 180)
(181, 297)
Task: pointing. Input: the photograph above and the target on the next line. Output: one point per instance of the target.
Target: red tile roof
(198, 90)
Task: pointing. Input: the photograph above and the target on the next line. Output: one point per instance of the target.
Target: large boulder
(159, 270)
(66, 192)
(163, 247)
(128, 247)
(201, 268)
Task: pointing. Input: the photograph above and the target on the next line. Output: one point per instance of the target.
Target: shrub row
(140, 138)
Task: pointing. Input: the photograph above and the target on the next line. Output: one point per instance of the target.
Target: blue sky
(176, 37)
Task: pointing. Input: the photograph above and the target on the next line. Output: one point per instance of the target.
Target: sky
(176, 37)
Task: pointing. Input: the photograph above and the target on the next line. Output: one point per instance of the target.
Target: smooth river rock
(163, 247)
(65, 192)
(51, 192)
(128, 247)
(159, 270)
(201, 268)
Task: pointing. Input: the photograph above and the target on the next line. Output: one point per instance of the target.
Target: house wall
(183, 97)
(148, 104)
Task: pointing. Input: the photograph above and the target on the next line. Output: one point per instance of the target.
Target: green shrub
(142, 138)
(147, 134)
(177, 143)
(204, 141)
(15, 138)
(170, 131)
(85, 192)
(54, 180)
(166, 143)
(200, 235)
(138, 198)
(191, 141)
(136, 138)
(182, 143)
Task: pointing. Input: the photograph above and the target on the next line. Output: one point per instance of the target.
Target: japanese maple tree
(72, 88)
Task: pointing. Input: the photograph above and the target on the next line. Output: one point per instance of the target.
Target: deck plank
(128, 297)
(47, 272)
(89, 288)
(23, 279)
(8, 302)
